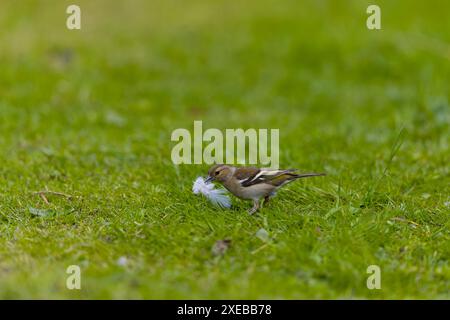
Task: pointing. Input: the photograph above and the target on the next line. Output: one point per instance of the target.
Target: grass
(89, 114)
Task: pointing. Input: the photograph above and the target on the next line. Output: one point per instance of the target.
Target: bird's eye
(217, 172)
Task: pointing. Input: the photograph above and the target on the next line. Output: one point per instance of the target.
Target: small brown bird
(250, 183)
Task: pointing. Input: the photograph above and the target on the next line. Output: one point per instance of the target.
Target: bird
(251, 183)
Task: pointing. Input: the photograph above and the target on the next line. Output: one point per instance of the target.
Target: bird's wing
(245, 173)
(270, 176)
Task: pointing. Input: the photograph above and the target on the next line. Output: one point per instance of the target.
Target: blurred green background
(89, 113)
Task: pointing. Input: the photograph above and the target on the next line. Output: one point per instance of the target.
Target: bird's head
(219, 172)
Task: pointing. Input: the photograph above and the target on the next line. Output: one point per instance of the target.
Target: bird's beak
(209, 179)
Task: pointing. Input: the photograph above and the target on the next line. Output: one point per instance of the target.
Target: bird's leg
(266, 200)
(255, 207)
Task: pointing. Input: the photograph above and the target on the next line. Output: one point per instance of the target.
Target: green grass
(89, 113)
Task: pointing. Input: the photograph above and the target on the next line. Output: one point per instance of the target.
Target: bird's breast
(253, 192)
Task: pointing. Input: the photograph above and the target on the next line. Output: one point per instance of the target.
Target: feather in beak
(216, 196)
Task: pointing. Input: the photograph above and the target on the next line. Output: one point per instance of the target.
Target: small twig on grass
(42, 194)
(44, 198)
(260, 248)
(405, 220)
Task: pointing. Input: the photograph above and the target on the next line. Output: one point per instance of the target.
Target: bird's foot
(254, 208)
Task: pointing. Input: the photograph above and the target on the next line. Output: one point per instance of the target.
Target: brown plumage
(250, 183)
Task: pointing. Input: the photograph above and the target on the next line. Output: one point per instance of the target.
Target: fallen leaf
(220, 247)
(262, 235)
(38, 212)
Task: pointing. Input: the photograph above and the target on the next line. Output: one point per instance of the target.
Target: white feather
(216, 196)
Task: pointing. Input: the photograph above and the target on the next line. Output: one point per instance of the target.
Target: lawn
(87, 115)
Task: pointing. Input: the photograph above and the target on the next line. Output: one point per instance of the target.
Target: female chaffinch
(250, 183)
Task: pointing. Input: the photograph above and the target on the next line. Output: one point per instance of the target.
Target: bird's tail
(289, 176)
(306, 175)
